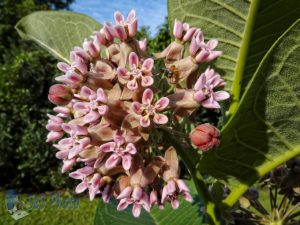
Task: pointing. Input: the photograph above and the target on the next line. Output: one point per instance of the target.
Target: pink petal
(171, 186)
(63, 154)
(84, 142)
(131, 15)
(92, 116)
(96, 180)
(119, 18)
(122, 204)
(102, 109)
(67, 165)
(132, 28)
(147, 96)
(194, 47)
(126, 161)
(213, 55)
(189, 34)
(143, 44)
(82, 107)
(130, 148)
(74, 151)
(146, 202)
(112, 161)
(182, 186)
(54, 135)
(106, 193)
(66, 127)
(136, 210)
(147, 81)
(160, 118)
(101, 96)
(153, 197)
(136, 108)
(211, 104)
(175, 203)
(162, 103)
(202, 56)
(121, 33)
(63, 67)
(187, 196)
(108, 147)
(200, 38)
(212, 44)
(123, 73)
(221, 95)
(145, 121)
(147, 65)
(132, 85)
(133, 60)
(81, 187)
(199, 96)
(137, 193)
(87, 92)
(164, 194)
(200, 82)
(79, 130)
(125, 193)
(178, 29)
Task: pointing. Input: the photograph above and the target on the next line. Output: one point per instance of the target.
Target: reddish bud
(60, 94)
(205, 137)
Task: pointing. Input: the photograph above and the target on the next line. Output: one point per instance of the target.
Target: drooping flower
(94, 105)
(54, 126)
(126, 27)
(205, 137)
(77, 141)
(203, 52)
(146, 111)
(120, 150)
(137, 74)
(204, 89)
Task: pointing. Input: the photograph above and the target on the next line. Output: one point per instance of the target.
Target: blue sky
(150, 12)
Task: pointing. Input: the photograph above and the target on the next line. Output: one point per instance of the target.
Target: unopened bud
(60, 94)
(205, 137)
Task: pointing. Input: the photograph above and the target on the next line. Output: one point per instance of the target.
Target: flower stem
(204, 194)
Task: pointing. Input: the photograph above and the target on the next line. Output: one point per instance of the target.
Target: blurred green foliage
(26, 73)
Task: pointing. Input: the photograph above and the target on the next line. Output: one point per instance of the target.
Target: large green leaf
(264, 131)
(245, 30)
(57, 31)
(186, 214)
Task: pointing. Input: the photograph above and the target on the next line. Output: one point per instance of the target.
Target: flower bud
(60, 94)
(205, 137)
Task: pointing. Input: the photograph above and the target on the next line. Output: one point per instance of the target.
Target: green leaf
(57, 31)
(264, 131)
(186, 214)
(245, 30)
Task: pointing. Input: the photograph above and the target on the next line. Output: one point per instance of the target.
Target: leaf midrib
(242, 56)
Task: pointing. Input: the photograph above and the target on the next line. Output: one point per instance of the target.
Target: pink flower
(74, 73)
(60, 94)
(205, 136)
(182, 31)
(172, 190)
(136, 73)
(135, 196)
(77, 140)
(147, 112)
(204, 93)
(126, 27)
(95, 105)
(54, 126)
(120, 150)
(203, 52)
(143, 44)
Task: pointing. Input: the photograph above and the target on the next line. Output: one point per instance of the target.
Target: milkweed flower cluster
(108, 110)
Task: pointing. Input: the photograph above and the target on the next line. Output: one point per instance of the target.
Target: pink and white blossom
(147, 111)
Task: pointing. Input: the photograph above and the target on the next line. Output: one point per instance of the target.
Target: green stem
(240, 66)
(204, 194)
